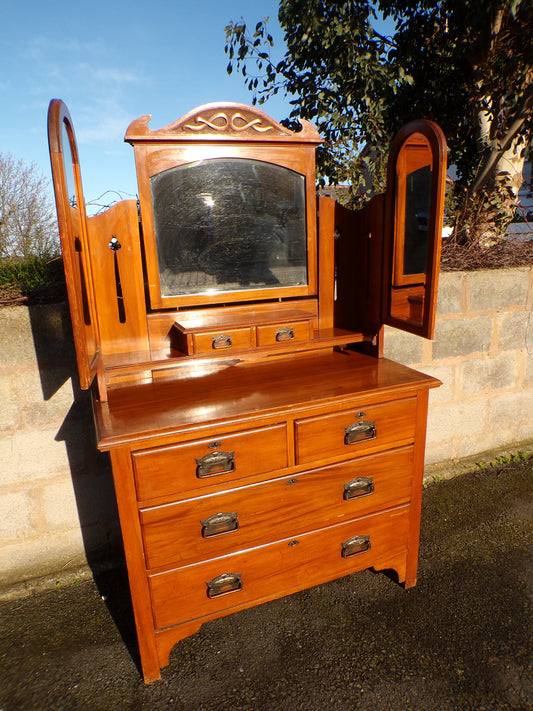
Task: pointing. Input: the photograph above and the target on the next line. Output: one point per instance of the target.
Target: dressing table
(230, 327)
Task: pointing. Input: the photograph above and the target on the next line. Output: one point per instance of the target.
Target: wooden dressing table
(232, 335)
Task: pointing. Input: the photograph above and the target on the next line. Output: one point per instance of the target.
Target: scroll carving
(235, 122)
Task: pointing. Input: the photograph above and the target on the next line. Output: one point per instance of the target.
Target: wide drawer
(280, 568)
(357, 430)
(184, 467)
(209, 526)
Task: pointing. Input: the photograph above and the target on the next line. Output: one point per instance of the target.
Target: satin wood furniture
(231, 333)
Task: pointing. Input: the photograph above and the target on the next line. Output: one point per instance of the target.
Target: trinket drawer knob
(285, 334)
(221, 341)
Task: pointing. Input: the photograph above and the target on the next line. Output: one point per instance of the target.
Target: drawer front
(223, 341)
(277, 569)
(284, 332)
(351, 432)
(210, 526)
(185, 467)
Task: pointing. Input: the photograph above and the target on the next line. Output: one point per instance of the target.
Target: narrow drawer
(354, 431)
(192, 465)
(208, 526)
(223, 341)
(280, 568)
(273, 334)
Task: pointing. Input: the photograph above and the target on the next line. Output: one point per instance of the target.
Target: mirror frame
(222, 130)
(73, 233)
(393, 241)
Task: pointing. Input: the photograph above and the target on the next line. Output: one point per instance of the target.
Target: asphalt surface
(461, 639)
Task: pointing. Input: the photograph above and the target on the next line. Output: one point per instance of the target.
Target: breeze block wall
(483, 354)
(57, 505)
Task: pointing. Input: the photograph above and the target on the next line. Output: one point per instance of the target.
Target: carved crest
(222, 122)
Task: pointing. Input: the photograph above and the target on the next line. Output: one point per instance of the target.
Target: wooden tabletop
(242, 390)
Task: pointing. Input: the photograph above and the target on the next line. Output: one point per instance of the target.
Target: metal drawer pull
(285, 334)
(221, 341)
(355, 545)
(363, 486)
(359, 432)
(220, 523)
(222, 584)
(215, 463)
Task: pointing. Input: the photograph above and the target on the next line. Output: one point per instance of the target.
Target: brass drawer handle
(220, 523)
(359, 432)
(362, 486)
(355, 545)
(223, 584)
(284, 334)
(215, 463)
(221, 341)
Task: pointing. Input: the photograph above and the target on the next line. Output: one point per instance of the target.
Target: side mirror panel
(416, 181)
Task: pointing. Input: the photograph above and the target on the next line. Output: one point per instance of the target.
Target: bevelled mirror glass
(229, 224)
(416, 181)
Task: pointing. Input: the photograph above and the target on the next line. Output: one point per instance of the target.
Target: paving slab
(461, 639)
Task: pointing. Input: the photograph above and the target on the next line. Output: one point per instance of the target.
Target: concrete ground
(461, 639)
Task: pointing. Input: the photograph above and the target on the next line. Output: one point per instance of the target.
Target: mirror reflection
(229, 224)
(414, 166)
(68, 166)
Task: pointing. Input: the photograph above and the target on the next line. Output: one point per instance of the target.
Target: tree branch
(503, 144)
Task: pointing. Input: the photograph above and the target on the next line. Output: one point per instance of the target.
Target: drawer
(208, 526)
(274, 570)
(184, 467)
(282, 332)
(231, 339)
(351, 432)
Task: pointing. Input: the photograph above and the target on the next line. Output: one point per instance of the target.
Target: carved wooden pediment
(221, 121)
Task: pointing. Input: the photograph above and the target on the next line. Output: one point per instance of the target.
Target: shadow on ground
(461, 639)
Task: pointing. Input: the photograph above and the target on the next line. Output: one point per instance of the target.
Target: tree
(468, 66)
(28, 226)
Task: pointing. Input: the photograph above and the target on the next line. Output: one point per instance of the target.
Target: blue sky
(112, 62)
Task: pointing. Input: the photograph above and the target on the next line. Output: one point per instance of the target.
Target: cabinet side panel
(133, 549)
(416, 490)
(117, 267)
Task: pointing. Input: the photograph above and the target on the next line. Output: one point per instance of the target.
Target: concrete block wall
(57, 504)
(483, 354)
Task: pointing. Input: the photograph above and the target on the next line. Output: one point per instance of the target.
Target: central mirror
(229, 224)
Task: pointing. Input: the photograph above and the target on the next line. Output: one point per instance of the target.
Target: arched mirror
(72, 222)
(415, 202)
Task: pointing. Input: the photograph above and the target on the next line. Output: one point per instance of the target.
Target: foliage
(468, 66)
(34, 279)
(27, 217)
(340, 85)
